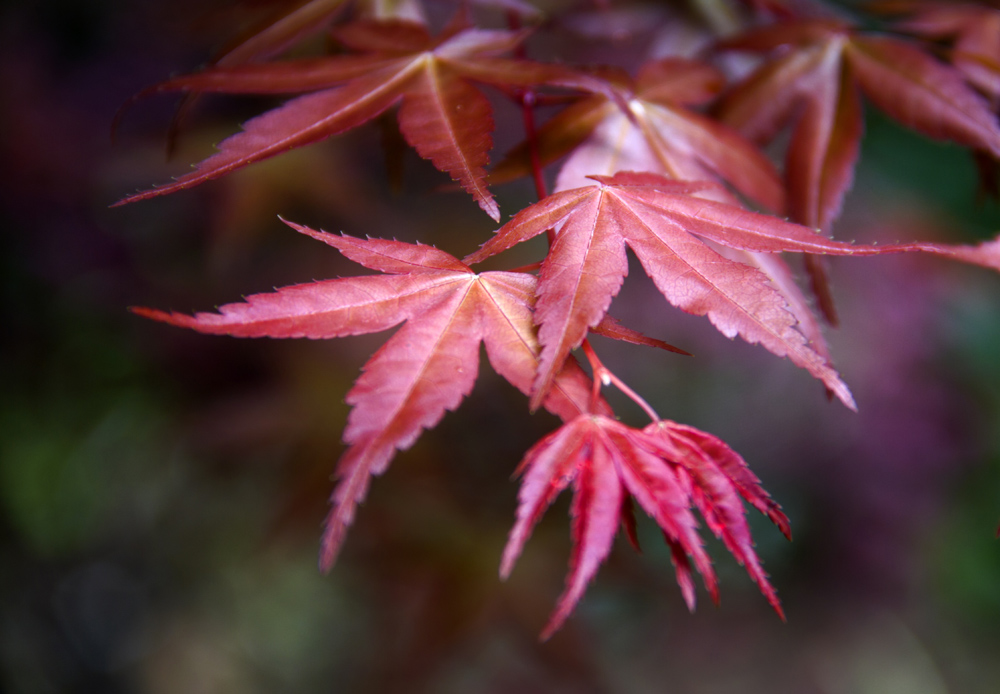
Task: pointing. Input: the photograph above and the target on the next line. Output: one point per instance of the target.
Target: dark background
(161, 492)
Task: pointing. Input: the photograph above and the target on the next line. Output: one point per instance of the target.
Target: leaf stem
(532, 267)
(528, 99)
(604, 376)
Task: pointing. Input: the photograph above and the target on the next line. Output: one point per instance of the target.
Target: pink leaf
(667, 469)
(424, 370)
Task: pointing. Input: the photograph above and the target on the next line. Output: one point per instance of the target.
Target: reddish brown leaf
(610, 327)
(824, 149)
(282, 31)
(763, 103)
(265, 40)
(922, 93)
(302, 121)
(442, 116)
(285, 77)
(813, 82)
(387, 37)
(678, 82)
(974, 30)
(977, 54)
(820, 163)
(654, 132)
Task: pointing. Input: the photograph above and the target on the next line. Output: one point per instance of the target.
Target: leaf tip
(474, 257)
(713, 592)
(537, 398)
(558, 618)
(836, 387)
(510, 555)
(298, 227)
(548, 631)
(489, 206)
(333, 538)
(161, 316)
(136, 197)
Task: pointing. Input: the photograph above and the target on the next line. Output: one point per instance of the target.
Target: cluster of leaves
(667, 162)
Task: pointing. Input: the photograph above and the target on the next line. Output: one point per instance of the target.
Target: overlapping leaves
(672, 233)
(667, 468)
(974, 29)
(426, 368)
(705, 256)
(441, 115)
(659, 133)
(814, 80)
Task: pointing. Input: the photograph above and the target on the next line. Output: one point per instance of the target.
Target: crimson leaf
(667, 468)
(671, 232)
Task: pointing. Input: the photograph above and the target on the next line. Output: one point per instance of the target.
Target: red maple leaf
(427, 367)
(974, 29)
(441, 115)
(280, 30)
(265, 38)
(667, 468)
(658, 133)
(672, 233)
(814, 80)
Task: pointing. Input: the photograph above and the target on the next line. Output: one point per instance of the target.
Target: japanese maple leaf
(441, 115)
(281, 30)
(974, 30)
(659, 133)
(973, 27)
(667, 468)
(814, 82)
(663, 136)
(674, 235)
(300, 20)
(270, 37)
(426, 367)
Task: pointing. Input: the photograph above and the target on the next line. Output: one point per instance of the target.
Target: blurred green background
(161, 492)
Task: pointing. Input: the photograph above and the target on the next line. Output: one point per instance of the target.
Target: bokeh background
(161, 492)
